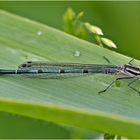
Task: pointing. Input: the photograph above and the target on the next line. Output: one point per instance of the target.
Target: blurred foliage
(108, 42)
(119, 20)
(73, 25)
(15, 126)
(111, 137)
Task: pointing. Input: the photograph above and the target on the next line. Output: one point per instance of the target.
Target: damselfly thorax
(131, 70)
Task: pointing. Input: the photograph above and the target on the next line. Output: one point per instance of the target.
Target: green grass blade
(15, 126)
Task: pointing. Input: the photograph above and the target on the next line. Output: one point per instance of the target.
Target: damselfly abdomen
(64, 70)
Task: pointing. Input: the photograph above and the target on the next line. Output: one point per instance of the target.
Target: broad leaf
(71, 101)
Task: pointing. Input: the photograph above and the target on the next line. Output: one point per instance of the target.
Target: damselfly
(61, 70)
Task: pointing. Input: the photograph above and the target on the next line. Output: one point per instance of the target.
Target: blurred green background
(119, 21)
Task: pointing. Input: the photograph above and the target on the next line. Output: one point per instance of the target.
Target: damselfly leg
(132, 82)
(123, 78)
(130, 62)
(119, 78)
(107, 60)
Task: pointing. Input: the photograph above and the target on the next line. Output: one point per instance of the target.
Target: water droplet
(76, 53)
(39, 33)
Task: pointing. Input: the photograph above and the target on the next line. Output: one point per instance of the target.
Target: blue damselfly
(61, 70)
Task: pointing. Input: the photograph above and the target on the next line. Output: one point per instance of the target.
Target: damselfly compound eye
(23, 65)
(29, 61)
